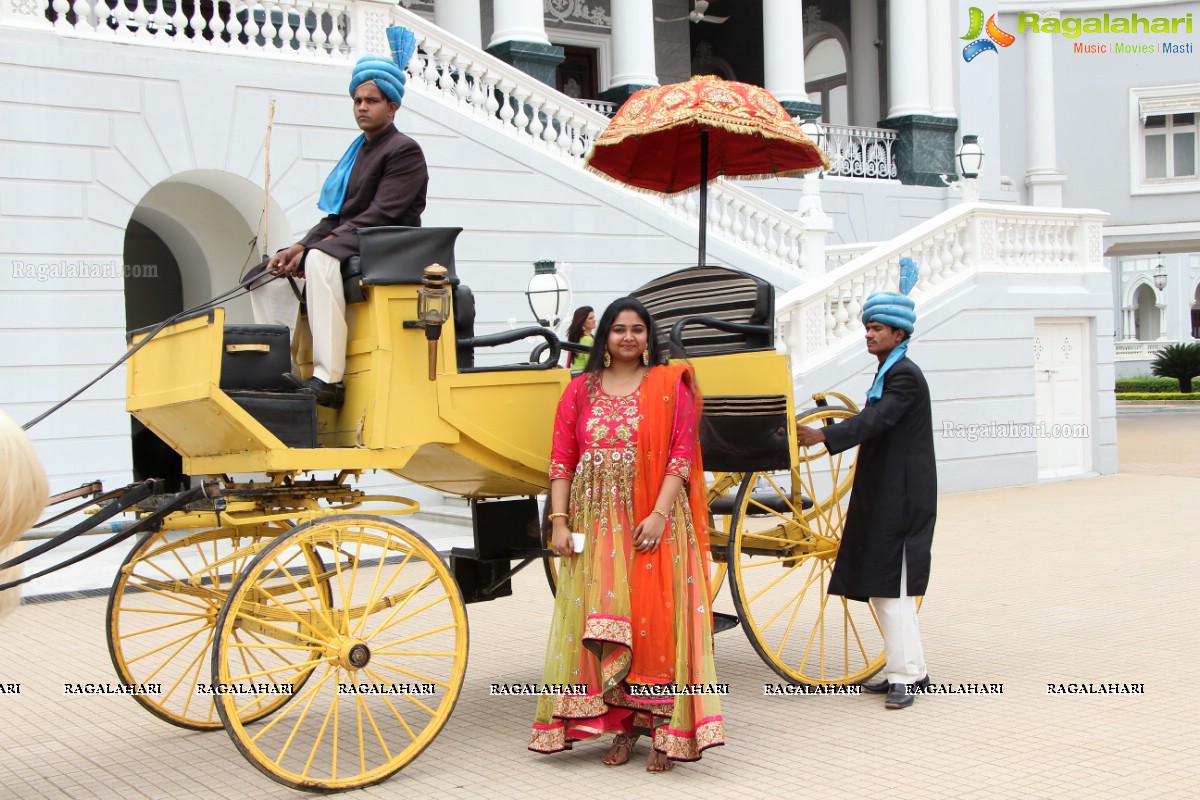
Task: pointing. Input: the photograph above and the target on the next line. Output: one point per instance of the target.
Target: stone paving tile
(1081, 581)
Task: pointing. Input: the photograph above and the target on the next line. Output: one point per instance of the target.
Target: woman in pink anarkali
(632, 618)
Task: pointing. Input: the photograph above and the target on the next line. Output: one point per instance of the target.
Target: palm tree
(1178, 361)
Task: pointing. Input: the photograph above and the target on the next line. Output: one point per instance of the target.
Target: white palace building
(133, 182)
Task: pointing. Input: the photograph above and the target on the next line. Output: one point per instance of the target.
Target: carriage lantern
(549, 294)
(433, 309)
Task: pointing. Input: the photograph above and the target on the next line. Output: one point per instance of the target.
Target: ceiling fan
(696, 15)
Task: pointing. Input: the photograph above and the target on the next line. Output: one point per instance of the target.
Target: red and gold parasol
(668, 139)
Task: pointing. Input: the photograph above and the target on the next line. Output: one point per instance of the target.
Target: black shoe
(331, 395)
(902, 695)
(882, 686)
(899, 696)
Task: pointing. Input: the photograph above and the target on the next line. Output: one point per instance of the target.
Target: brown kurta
(387, 187)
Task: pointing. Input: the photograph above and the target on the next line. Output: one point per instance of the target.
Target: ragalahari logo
(995, 36)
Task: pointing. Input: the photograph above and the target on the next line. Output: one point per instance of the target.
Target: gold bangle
(661, 513)
(558, 514)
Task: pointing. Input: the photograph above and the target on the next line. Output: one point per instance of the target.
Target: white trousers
(901, 636)
(276, 304)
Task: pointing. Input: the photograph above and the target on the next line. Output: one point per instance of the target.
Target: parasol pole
(703, 194)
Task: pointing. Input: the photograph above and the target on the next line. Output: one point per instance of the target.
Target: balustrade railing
(861, 152)
(837, 255)
(1139, 351)
(293, 28)
(817, 318)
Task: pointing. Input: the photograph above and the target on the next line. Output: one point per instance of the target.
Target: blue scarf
(333, 193)
(876, 390)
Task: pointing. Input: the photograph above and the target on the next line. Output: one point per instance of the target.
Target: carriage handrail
(749, 328)
(571, 347)
(508, 337)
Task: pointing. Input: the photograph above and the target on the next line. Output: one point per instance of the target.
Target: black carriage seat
(715, 311)
(253, 361)
(398, 255)
(703, 298)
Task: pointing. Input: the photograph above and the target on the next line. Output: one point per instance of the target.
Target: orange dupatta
(651, 591)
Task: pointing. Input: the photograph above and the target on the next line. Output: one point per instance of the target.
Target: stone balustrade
(815, 320)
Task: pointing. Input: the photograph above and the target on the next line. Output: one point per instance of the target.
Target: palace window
(1166, 139)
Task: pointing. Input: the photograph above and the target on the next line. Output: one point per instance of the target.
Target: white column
(864, 63)
(783, 50)
(908, 69)
(460, 17)
(1041, 171)
(1162, 321)
(941, 65)
(518, 20)
(633, 43)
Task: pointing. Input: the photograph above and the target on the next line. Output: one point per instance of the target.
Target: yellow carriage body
(476, 434)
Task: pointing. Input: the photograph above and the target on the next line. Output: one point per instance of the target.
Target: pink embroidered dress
(597, 638)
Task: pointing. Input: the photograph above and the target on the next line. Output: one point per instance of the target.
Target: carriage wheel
(392, 650)
(162, 610)
(787, 528)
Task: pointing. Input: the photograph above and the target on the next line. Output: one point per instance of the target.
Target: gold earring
(646, 356)
(607, 359)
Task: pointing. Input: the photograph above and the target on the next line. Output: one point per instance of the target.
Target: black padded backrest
(726, 294)
(399, 255)
(464, 323)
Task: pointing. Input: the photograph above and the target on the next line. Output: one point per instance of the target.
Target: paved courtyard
(1089, 581)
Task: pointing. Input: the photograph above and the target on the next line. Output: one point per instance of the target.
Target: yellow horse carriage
(327, 636)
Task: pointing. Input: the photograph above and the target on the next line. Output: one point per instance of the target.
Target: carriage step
(762, 502)
(724, 622)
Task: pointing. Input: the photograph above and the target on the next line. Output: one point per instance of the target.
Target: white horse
(23, 495)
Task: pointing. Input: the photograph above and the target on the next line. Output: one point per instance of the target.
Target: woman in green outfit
(580, 332)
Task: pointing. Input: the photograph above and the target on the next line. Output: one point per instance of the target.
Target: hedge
(1146, 385)
(1172, 396)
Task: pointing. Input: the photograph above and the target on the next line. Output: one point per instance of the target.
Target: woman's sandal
(658, 763)
(622, 740)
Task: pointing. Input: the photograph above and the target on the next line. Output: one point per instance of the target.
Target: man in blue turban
(381, 180)
(885, 551)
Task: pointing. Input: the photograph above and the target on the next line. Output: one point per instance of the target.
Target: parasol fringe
(791, 173)
(724, 124)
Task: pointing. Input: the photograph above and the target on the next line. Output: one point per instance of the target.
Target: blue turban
(390, 77)
(387, 76)
(894, 309)
(890, 308)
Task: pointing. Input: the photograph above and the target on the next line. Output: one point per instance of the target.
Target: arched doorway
(190, 238)
(1146, 316)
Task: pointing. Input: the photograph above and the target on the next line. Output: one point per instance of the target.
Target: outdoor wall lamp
(548, 293)
(970, 156)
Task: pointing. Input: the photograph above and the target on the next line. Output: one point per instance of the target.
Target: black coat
(893, 503)
(387, 187)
